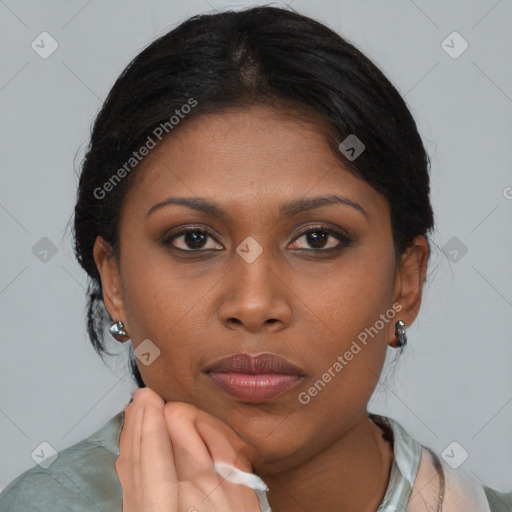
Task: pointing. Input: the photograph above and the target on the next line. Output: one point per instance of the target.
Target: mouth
(255, 379)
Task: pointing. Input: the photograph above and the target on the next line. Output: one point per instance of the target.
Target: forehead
(246, 157)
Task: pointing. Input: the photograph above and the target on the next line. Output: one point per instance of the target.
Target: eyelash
(344, 240)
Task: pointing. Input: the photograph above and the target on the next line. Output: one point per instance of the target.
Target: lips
(255, 378)
(261, 363)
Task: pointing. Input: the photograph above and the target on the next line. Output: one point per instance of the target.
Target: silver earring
(118, 332)
(400, 334)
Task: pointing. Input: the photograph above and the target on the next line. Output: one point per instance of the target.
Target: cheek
(349, 320)
(164, 307)
(161, 296)
(349, 296)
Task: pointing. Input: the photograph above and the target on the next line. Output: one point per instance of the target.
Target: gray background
(453, 382)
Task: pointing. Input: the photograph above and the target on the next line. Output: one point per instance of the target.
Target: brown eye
(192, 239)
(322, 239)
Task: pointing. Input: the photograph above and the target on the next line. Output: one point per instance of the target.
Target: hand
(166, 459)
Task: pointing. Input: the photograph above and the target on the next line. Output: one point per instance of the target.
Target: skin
(305, 305)
(159, 476)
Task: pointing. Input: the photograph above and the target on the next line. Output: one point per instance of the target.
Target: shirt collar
(407, 456)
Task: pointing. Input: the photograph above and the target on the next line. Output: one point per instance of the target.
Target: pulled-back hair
(261, 55)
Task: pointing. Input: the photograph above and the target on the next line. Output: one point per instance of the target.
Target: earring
(400, 334)
(118, 332)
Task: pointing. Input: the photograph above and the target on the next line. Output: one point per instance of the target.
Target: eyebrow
(287, 209)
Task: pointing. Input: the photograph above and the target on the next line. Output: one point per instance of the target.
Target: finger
(156, 451)
(194, 462)
(223, 445)
(191, 456)
(154, 474)
(125, 439)
(128, 453)
(130, 431)
(240, 453)
(231, 455)
(233, 458)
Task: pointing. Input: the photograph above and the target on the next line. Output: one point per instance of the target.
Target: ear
(106, 262)
(409, 280)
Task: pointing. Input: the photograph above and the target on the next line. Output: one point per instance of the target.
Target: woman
(253, 213)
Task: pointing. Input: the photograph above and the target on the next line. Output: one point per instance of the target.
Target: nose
(255, 296)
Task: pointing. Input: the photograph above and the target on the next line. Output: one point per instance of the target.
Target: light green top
(83, 476)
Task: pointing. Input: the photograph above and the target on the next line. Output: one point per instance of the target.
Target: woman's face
(309, 298)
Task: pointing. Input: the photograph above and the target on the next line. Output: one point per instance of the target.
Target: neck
(350, 474)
